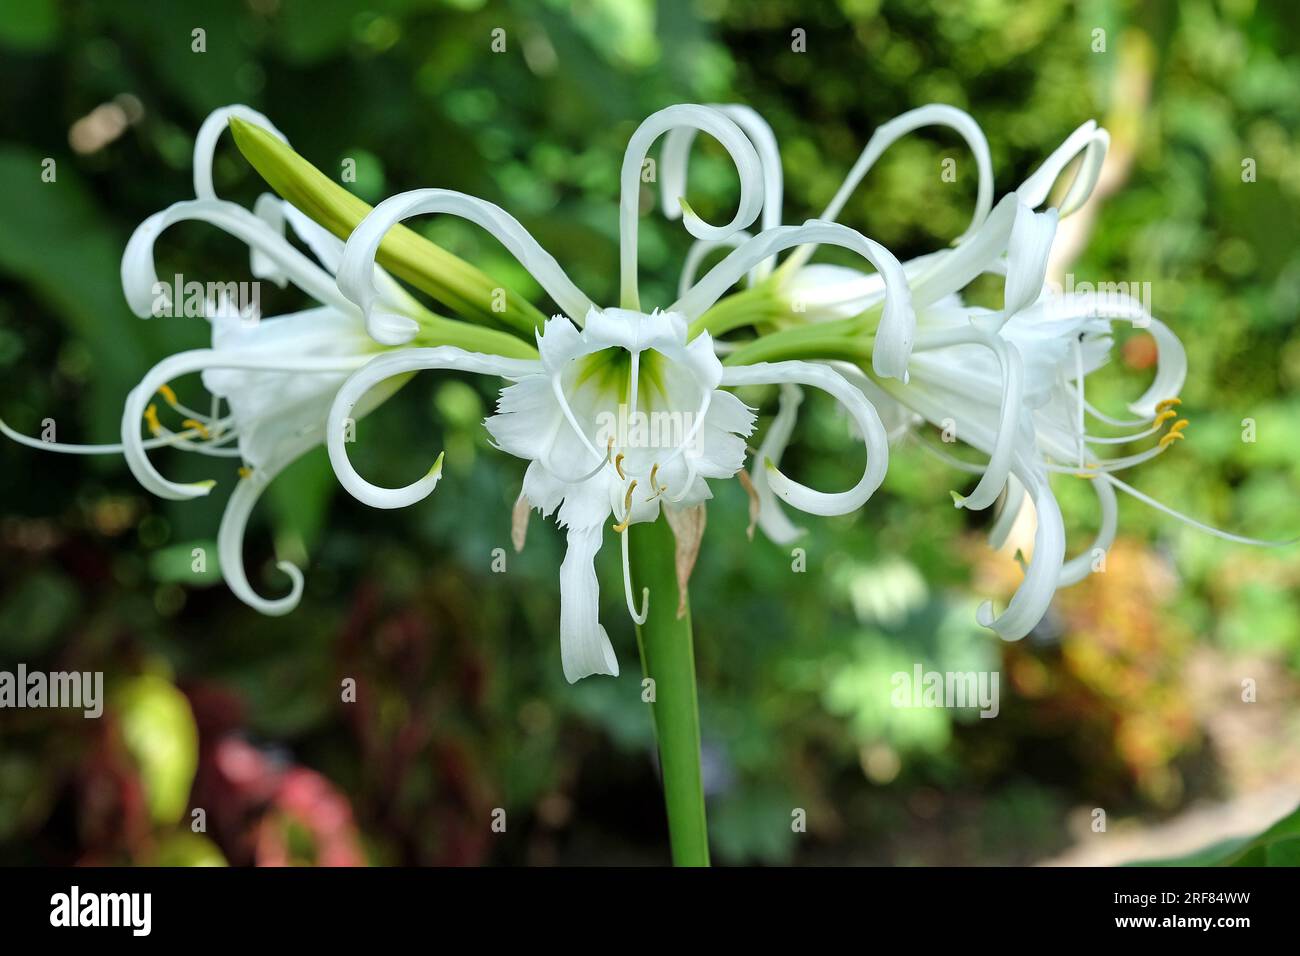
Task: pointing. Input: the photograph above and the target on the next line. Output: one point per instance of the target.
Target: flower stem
(668, 658)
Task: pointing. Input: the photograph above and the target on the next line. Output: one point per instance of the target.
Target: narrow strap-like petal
(234, 524)
(140, 277)
(771, 519)
(184, 363)
(205, 142)
(893, 344)
(1042, 573)
(1083, 564)
(356, 276)
(1089, 139)
(674, 165)
(584, 645)
(1011, 413)
(733, 139)
(1027, 252)
(382, 367)
(935, 114)
(862, 412)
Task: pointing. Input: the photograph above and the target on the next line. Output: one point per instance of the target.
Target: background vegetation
(1127, 698)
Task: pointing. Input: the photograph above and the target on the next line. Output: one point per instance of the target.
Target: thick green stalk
(668, 658)
(406, 254)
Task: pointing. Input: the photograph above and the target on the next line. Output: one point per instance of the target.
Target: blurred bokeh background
(1127, 698)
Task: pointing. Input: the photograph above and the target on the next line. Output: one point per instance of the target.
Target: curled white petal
(771, 519)
(953, 269)
(1089, 139)
(1030, 245)
(148, 297)
(269, 209)
(356, 275)
(1042, 573)
(205, 142)
(935, 114)
(234, 523)
(701, 248)
(197, 360)
(382, 367)
(894, 335)
(674, 164)
(1083, 564)
(862, 412)
(1171, 356)
(733, 139)
(1013, 496)
(995, 476)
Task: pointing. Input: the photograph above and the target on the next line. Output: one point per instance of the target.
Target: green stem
(668, 658)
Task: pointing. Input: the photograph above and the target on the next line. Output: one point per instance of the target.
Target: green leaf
(1279, 845)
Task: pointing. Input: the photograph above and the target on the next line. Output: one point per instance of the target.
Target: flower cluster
(894, 343)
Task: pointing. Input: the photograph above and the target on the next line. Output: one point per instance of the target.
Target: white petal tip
(388, 328)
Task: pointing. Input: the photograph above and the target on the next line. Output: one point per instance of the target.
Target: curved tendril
(862, 412)
(935, 114)
(748, 166)
(146, 295)
(234, 524)
(385, 366)
(673, 175)
(356, 275)
(893, 342)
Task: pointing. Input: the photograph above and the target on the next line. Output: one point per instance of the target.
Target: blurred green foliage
(461, 706)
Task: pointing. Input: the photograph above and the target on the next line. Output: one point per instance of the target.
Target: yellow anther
(627, 509)
(659, 489)
(151, 419)
(1168, 403)
(198, 426)
(1169, 438)
(618, 466)
(245, 471)
(1164, 416)
(1178, 426)
(1090, 474)
(166, 392)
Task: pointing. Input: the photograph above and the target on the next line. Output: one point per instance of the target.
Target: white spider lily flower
(1009, 382)
(568, 412)
(276, 375)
